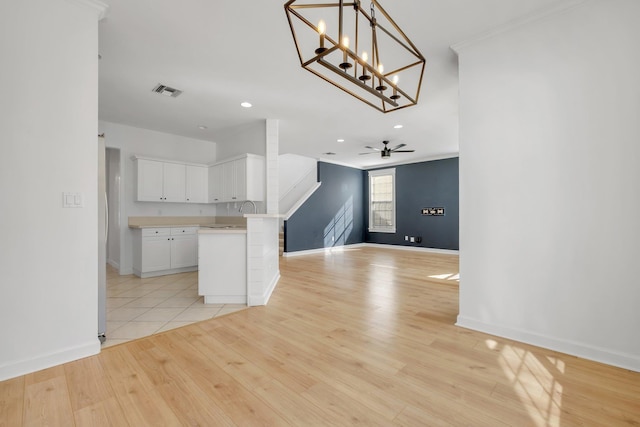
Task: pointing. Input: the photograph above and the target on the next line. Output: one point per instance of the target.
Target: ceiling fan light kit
(363, 52)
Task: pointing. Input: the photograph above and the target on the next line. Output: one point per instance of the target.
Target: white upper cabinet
(234, 180)
(215, 183)
(174, 182)
(196, 188)
(150, 179)
(237, 180)
(165, 181)
(254, 177)
(160, 181)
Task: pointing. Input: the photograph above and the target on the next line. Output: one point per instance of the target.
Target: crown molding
(100, 7)
(557, 9)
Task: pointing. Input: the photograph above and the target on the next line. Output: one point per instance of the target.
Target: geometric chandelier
(363, 52)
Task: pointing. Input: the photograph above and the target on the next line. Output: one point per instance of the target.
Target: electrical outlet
(418, 239)
(412, 239)
(406, 238)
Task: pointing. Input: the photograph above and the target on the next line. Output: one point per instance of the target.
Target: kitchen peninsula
(236, 257)
(239, 265)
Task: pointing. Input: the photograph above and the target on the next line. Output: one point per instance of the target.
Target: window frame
(382, 229)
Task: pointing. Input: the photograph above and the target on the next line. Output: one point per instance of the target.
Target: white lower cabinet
(160, 251)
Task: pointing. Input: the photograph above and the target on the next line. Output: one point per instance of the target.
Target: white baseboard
(114, 264)
(585, 351)
(414, 248)
(23, 367)
(264, 298)
(225, 299)
(164, 272)
(371, 245)
(322, 250)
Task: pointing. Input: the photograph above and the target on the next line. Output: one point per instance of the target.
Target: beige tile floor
(138, 307)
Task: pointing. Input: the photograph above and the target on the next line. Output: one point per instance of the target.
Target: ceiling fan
(385, 152)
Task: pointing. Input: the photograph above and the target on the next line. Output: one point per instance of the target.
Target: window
(382, 201)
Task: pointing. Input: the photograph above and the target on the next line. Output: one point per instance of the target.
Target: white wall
(248, 138)
(48, 134)
(549, 173)
(135, 141)
(297, 174)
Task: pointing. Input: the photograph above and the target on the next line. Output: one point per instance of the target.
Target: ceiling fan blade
(371, 148)
(398, 146)
(370, 152)
(403, 151)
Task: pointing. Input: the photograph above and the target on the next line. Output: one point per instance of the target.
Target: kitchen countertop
(202, 228)
(218, 230)
(206, 224)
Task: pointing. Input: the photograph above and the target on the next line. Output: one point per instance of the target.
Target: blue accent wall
(337, 213)
(421, 185)
(333, 215)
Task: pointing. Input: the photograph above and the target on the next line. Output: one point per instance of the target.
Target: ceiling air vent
(166, 90)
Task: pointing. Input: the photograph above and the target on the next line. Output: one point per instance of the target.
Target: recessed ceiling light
(398, 127)
(246, 104)
(203, 127)
(341, 140)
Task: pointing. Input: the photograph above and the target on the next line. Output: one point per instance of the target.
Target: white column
(271, 170)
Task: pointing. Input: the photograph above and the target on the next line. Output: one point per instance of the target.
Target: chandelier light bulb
(364, 77)
(345, 45)
(395, 89)
(381, 86)
(322, 27)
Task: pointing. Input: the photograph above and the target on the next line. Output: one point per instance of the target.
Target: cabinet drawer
(147, 232)
(184, 231)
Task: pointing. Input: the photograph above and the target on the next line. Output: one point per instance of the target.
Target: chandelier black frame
(368, 82)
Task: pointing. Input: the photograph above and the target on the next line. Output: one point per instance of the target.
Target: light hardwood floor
(362, 337)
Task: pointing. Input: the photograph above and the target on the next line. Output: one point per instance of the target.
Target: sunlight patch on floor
(535, 382)
(446, 276)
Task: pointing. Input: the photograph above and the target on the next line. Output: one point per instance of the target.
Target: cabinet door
(240, 175)
(150, 178)
(156, 253)
(255, 178)
(174, 182)
(229, 179)
(196, 188)
(216, 184)
(184, 251)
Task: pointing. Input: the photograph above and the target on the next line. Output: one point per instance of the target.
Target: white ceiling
(221, 53)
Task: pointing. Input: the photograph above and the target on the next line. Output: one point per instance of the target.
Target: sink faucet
(255, 210)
